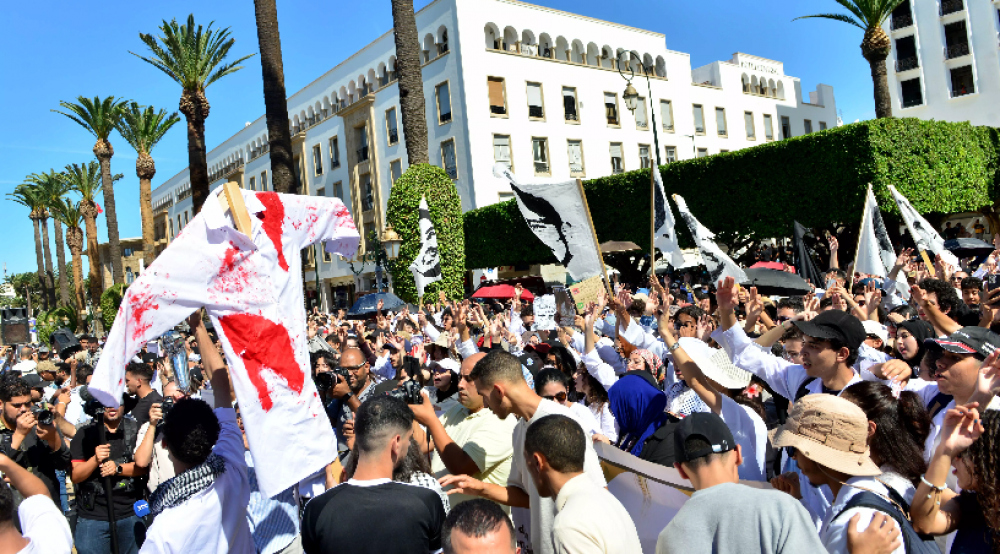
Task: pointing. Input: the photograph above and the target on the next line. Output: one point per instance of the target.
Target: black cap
(834, 324)
(968, 340)
(149, 358)
(33, 381)
(704, 425)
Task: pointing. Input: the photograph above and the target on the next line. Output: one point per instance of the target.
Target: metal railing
(902, 21)
(393, 136)
(445, 117)
(962, 91)
(498, 110)
(451, 170)
(956, 50)
(363, 154)
(910, 102)
(572, 116)
(535, 111)
(951, 6)
(907, 64)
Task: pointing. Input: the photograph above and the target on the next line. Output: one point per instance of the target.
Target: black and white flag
(870, 257)
(557, 214)
(426, 267)
(924, 235)
(665, 238)
(718, 264)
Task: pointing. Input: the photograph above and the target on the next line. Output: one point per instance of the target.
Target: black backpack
(912, 542)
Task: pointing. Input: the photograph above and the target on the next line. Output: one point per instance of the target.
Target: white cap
(715, 363)
(877, 329)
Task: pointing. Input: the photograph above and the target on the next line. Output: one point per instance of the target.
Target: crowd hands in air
(863, 410)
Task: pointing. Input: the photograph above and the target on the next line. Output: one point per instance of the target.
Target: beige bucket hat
(830, 431)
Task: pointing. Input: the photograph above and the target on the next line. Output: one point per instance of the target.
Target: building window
(768, 127)
(392, 131)
(644, 161)
(321, 191)
(536, 108)
(501, 151)
(699, 120)
(540, 155)
(334, 153)
(569, 104)
(956, 40)
(702, 152)
(808, 125)
(748, 121)
(723, 151)
(338, 190)
(129, 276)
(902, 17)
(179, 224)
(911, 93)
(367, 193)
(362, 137)
(611, 108)
(505, 196)
(906, 53)
(617, 161)
(443, 95)
(126, 252)
(448, 158)
(317, 160)
(395, 171)
(822, 125)
(720, 122)
(786, 127)
(961, 81)
(576, 167)
(498, 98)
(263, 181)
(667, 115)
(253, 183)
(641, 120)
(671, 153)
(185, 217)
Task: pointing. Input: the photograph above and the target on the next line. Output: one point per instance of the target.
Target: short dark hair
(691, 311)
(637, 308)
(549, 375)
(527, 310)
(560, 439)
(947, 299)
(12, 386)
(314, 358)
(826, 301)
(7, 511)
(972, 283)
(498, 365)
(905, 310)
(190, 430)
(142, 371)
(852, 351)
(836, 273)
(476, 518)
(82, 372)
(333, 338)
(794, 303)
(377, 418)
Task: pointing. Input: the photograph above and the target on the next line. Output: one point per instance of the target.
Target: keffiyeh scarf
(177, 490)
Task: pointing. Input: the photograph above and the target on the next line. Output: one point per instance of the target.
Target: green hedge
(446, 213)
(111, 299)
(755, 193)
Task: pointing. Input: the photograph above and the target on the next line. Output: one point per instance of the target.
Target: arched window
(529, 46)
(546, 46)
(510, 42)
(442, 45)
(562, 49)
(661, 67)
(429, 48)
(593, 55)
(492, 36)
(746, 83)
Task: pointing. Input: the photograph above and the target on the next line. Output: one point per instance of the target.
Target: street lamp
(382, 251)
(391, 241)
(631, 96)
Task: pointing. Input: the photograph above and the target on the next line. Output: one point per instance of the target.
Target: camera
(324, 381)
(166, 405)
(409, 392)
(91, 406)
(43, 416)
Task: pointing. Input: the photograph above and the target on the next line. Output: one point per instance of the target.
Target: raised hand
(904, 257)
(960, 429)
(834, 243)
(989, 375)
(727, 294)
(704, 327)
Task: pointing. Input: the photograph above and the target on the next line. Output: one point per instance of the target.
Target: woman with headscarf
(644, 429)
(908, 353)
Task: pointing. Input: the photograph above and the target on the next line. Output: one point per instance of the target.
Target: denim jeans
(94, 536)
(63, 498)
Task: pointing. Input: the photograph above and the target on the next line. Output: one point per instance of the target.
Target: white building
(506, 81)
(945, 63)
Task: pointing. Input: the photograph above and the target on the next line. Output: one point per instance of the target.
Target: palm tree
(100, 117)
(411, 81)
(143, 127)
(86, 179)
(193, 56)
(29, 197)
(53, 187)
(869, 15)
(284, 178)
(69, 214)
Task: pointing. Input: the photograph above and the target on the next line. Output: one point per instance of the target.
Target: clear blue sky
(54, 51)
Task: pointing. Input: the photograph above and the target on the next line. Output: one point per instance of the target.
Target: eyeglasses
(438, 368)
(353, 367)
(558, 397)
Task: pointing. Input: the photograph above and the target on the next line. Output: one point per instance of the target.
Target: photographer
(150, 453)
(42, 526)
(30, 443)
(351, 391)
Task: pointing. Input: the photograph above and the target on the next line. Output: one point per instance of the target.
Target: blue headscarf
(638, 407)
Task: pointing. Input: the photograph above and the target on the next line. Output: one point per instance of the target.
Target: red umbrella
(501, 291)
(768, 265)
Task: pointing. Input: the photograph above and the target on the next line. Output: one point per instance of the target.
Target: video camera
(326, 381)
(91, 406)
(409, 392)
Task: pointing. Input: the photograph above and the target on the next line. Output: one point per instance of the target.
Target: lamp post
(631, 96)
(382, 251)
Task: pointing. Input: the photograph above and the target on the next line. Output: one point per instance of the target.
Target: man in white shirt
(43, 527)
(499, 380)
(27, 365)
(589, 520)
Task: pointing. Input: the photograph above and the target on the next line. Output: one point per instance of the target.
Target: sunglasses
(353, 367)
(558, 397)
(440, 369)
(783, 318)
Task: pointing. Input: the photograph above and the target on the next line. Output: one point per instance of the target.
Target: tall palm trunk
(284, 178)
(74, 239)
(411, 81)
(104, 152)
(40, 260)
(145, 169)
(194, 106)
(61, 258)
(89, 211)
(875, 48)
(50, 289)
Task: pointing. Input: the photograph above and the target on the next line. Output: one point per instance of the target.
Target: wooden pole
(652, 225)
(593, 233)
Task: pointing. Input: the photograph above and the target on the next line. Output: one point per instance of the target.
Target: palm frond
(868, 14)
(97, 116)
(834, 16)
(142, 126)
(27, 195)
(85, 179)
(859, 8)
(191, 54)
(52, 186)
(67, 212)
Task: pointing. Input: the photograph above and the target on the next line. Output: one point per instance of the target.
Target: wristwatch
(119, 469)
(674, 346)
(348, 395)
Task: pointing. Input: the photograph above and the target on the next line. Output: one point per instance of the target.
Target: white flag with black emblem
(557, 214)
(665, 238)
(924, 235)
(869, 258)
(426, 267)
(718, 264)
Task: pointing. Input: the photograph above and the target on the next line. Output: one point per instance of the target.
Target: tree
(69, 214)
(29, 197)
(143, 127)
(27, 283)
(100, 117)
(284, 178)
(410, 81)
(86, 179)
(192, 56)
(52, 187)
(869, 15)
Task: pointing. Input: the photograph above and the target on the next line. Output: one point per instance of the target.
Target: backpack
(912, 542)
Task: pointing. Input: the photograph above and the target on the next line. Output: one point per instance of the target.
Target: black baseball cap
(968, 340)
(834, 324)
(706, 426)
(33, 381)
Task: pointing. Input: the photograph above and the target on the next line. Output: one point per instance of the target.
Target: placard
(545, 312)
(585, 292)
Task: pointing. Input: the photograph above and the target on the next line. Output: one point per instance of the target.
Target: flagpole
(593, 232)
(652, 225)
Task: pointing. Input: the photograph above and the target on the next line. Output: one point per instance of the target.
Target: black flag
(804, 264)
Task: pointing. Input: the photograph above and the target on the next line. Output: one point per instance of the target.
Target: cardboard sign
(545, 313)
(586, 292)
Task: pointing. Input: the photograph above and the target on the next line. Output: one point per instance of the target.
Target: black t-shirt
(386, 518)
(141, 410)
(82, 449)
(974, 535)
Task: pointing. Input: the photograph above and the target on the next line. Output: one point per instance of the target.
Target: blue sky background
(58, 50)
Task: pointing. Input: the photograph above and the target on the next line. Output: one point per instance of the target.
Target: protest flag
(719, 265)
(804, 263)
(426, 267)
(664, 236)
(924, 235)
(868, 258)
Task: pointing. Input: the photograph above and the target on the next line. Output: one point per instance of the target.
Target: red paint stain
(140, 303)
(272, 220)
(262, 343)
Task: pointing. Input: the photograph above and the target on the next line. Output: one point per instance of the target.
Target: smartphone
(992, 281)
(831, 283)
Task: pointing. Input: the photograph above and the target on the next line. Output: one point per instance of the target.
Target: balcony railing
(907, 64)
(445, 117)
(451, 170)
(572, 116)
(499, 110)
(902, 21)
(393, 136)
(951, 6)
(535, 111)
(956, 50)
(363, 154)
(910, 102)
(962, 91)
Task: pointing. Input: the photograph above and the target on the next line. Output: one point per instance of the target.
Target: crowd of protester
(857, 418)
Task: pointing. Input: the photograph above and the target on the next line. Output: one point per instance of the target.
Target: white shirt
(26, 367)
(160, 466)
(251, 288)
(592, 521)
(45, 526)
(606, 423)
(585, 418)
(750, 432)
(834, 532)
(215, 519)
